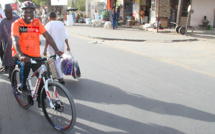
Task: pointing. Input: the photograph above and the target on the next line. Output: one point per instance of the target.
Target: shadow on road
(93, 91)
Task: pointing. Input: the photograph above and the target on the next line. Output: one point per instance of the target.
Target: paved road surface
(123, 90)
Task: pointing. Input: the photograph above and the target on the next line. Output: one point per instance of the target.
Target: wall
(90, 8)
(202, 8)
(164, 10)
(93, 5)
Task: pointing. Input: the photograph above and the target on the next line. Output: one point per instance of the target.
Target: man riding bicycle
(25, 36)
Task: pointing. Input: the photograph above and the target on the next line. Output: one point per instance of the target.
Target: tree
(80, 4)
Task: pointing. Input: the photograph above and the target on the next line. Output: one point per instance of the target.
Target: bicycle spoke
(63, 116)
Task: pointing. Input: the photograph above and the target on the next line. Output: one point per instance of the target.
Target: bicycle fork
(48, 94)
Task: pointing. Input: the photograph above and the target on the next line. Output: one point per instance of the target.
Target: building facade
(167, 10)
(203, 8)
(93, 6)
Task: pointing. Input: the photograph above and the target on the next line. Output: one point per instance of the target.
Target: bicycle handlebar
(35, 60)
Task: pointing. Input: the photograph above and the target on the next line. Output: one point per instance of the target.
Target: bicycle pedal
(30, 100)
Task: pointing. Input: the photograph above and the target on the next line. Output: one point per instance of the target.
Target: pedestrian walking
(45, 19)
(73, 16)
(5, 34)
(115, 18)
(58, 32)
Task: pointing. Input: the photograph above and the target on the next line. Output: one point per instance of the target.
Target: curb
(138, 40)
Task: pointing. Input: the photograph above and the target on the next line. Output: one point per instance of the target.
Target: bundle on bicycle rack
(69, 66)
(51, 68)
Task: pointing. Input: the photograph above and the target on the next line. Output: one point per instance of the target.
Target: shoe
(61, 81)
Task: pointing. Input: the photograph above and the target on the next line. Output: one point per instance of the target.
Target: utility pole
(158, 15)
(72, 3)
(178, 20)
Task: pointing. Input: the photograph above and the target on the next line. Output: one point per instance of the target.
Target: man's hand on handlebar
(45, 53)
(59, 53)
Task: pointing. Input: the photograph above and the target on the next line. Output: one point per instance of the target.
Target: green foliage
(21, 0)
(80, 4)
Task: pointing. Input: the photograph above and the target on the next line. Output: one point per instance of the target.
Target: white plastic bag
(67, 63)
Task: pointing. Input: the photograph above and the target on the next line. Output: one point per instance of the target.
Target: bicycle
(55, 99)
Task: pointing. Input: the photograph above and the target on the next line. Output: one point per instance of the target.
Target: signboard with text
(14, 6)
(59, 2)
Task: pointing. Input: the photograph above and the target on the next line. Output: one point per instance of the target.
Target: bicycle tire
(182, 30)
(57, 115)
(177, 29)
(16, 82)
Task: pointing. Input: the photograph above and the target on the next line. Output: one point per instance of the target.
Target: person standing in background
(65, 18)
(96, 16)
(45, 19)
(115, 18)
(5, 33)
(43, 11)
(142, 15)
(73, 16)
(58, 32)
(2, 15)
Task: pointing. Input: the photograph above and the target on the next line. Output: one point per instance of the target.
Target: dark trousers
(10, 70)
(1, 51)
(114, 24)
(27, 68)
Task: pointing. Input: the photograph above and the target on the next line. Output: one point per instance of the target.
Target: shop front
(129, 9)
(168, 12)
(145, 5)
(132, 9)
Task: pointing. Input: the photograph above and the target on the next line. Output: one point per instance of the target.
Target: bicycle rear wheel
(63, 117)
(21, 97)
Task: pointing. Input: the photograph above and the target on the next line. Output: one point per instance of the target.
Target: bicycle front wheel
(63, 117)
(21, 97)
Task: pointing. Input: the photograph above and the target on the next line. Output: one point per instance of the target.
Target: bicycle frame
(34, 91)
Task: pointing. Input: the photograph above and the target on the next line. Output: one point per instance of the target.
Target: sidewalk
(136, 34)
(194, 51)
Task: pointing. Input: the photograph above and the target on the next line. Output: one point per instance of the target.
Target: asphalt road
(122, 92)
